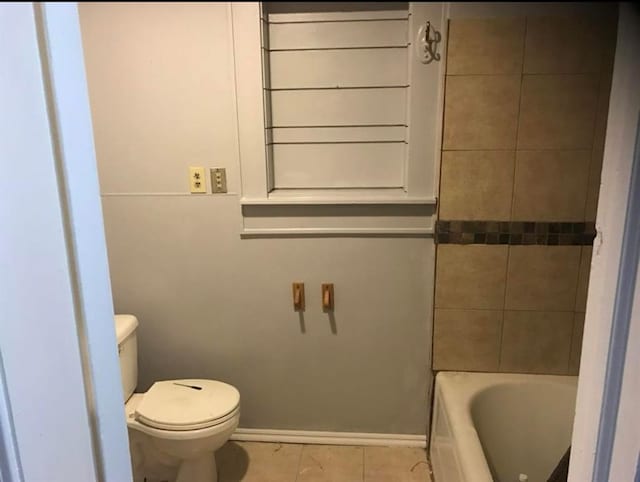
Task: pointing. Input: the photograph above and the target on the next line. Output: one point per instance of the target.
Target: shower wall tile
(583, 279)
(536, 341)
(481, 112)
(466, 339)
(551, 185)
(567, 45)
(542, 278)
(477, 185)
(576, 343)
(471, 277)
(485, 46)
(602, 112)
(515, 233)
(593, 187)
(526, 107)
(597, 154)
(558, 111)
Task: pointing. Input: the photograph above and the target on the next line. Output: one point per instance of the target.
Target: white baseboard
(329, 438)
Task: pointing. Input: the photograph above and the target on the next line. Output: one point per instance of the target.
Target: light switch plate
(197, 181)
(218, 180)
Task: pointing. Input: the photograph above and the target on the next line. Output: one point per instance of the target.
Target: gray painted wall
(210, 304)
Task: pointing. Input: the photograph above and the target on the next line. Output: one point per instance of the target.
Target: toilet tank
(126, 327)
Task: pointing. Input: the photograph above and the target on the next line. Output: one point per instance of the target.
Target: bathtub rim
(458, 390)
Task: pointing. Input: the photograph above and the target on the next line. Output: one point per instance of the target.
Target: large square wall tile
(542, 278)
(576, 343)
(470, 276)
(583, 278)
(558, 111)
(466, 339)
(485, 46)
(481, 112)
(536, 342)
(476, 185)
(565, 45)
(550, 185)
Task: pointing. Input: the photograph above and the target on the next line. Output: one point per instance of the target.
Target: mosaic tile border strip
(515, 233)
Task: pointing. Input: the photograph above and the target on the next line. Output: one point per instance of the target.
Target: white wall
(213, 305)
(620, 145)
(38, 334)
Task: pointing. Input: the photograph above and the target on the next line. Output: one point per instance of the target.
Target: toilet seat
(187, 404)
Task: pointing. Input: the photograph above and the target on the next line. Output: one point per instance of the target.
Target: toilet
(177, 425)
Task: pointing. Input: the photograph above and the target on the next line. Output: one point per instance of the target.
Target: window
(346, 111)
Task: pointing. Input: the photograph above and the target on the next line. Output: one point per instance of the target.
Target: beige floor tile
(396, 464)
(258, 462)
(328, 463)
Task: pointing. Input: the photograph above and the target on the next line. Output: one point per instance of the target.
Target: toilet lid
(187, 404)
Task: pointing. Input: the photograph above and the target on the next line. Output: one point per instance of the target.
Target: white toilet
(175, 427)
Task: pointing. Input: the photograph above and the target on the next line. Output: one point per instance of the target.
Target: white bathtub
(494, 426)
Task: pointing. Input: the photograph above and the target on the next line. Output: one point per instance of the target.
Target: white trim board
(329, 438)
(297, 232)
(337, 201)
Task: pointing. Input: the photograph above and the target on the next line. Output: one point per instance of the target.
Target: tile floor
(274, 462)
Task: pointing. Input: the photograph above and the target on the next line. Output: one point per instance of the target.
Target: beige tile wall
(526, 103)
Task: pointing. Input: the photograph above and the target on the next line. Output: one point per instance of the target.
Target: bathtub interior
(524, 428)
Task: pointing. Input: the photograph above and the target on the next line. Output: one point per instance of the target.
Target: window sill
(337, 197)
(335, 232)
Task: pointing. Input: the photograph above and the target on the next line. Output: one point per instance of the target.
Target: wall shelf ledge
(336, 198)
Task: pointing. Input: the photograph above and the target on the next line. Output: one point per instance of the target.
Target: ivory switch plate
(197, 182)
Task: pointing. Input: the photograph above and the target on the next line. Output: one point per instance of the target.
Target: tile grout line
(513, 194)
(497, 309)
(299, 463)
(541, 74)
(569, 149)
(603, 73)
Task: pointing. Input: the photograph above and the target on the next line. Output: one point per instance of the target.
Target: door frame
(605, 439)
(69, 377)
(63, 84)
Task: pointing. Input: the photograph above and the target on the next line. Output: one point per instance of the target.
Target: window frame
(250, 31)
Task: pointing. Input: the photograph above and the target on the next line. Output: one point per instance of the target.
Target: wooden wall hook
(298, 296)
(327, 297)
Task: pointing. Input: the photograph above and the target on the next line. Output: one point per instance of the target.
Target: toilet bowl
(177, 425)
